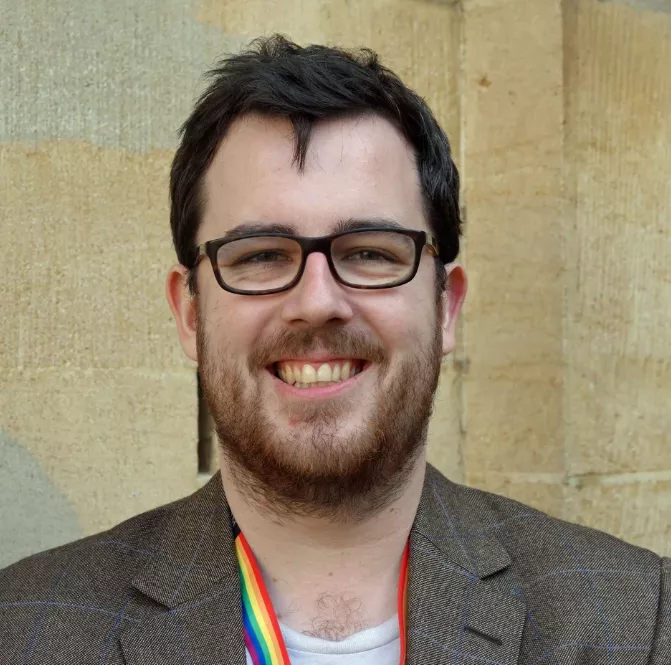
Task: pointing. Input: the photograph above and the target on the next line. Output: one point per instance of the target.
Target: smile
(303, 375)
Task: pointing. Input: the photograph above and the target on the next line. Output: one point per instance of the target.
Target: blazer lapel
(189, 609)
(193, 580)
(455, 613)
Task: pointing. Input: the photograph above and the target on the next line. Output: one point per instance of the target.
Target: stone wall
(560, 117)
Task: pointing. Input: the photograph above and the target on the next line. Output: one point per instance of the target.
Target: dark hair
(278, 78)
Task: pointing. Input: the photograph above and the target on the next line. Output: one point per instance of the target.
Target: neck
(324, 578)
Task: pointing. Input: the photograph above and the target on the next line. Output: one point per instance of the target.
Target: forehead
(355, 168)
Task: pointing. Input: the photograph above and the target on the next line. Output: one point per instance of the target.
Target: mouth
(304, 375)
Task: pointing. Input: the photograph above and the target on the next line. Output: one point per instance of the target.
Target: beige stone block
(445, 437)
(121, 75)
(544, 492)
(512, 56)
(618, 317)
(514, 424)
(634, 507)
(419, 40)
(114, 442)
(513, 324)
(513, 311)
(87, 249)
(512, 151)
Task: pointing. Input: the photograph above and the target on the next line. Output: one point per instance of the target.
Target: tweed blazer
(491, 582)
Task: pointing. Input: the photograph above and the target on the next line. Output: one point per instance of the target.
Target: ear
(184, 308)
(453, 299)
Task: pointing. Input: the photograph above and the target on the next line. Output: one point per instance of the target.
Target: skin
(333, 570)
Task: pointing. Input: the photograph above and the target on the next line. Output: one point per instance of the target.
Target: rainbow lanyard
(263, 637)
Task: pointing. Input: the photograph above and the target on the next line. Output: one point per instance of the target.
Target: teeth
(309, 375)
(325, 374)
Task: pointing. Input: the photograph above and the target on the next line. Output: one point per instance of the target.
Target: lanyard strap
(263, 637)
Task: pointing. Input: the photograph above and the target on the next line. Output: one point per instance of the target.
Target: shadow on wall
(34, 514)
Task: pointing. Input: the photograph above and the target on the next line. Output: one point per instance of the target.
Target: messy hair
(277, 78)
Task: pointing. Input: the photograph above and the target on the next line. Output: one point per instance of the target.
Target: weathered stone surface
(35, 513)
(95, 391)
(617, 329)
(634, 507)
(122, 76)
(512, 158)
(83, 284)
(114, 443)
(648, 5)
(445, 449)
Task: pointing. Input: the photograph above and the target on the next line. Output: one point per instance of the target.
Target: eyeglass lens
(259, 263)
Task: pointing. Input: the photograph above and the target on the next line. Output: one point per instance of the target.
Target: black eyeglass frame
(322, 245)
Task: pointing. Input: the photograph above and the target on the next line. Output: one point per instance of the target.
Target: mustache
(338, 342)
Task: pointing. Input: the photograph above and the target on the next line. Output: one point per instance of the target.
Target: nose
(318, 299)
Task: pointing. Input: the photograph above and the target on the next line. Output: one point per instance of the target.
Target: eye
(267, 256)
(369, 254)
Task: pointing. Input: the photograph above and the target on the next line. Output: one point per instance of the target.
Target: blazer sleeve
(661, 645)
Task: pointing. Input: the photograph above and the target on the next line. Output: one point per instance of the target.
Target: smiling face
(321, 394)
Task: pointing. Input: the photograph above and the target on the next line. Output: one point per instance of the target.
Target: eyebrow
(340, 226)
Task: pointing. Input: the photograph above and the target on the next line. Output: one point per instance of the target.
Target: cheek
(236, 326)
(404, 323)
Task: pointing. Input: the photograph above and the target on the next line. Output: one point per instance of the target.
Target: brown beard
(311, 471)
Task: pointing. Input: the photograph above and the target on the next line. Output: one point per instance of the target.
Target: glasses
(365, 258)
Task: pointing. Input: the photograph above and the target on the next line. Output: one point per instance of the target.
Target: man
(316, 221)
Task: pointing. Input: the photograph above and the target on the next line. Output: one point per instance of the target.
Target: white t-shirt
(375, 646)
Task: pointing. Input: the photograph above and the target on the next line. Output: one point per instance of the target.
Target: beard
(311, 467)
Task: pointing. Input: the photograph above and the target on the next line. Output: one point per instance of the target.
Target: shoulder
(88, 558)
(526, 532)
(583, 589)
(74, 593)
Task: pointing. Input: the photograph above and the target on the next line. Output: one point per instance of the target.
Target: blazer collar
(195, 552)
(450, 519)
(456, 613)
(452, 608)
(194, 549)
(193, 573)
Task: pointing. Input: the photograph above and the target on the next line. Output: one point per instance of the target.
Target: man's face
(332, 449)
